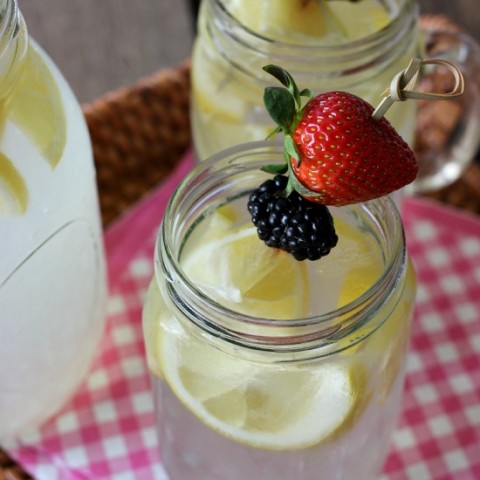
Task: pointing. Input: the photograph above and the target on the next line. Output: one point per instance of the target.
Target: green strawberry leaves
(284, 104)
(280, 105)
(290, 148)
(289, 151)
(287, 80)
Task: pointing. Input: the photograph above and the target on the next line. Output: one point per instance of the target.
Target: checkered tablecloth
(107, 430)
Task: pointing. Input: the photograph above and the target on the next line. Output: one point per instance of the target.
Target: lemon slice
(223, 103)
(388, 343)
(285, 20)
(211, 84)
(393, 336)
(366, 268)
(221, 96)
(305, 21)
(360, 19)
(240, 272)
(270, 407)
(36, 108)
(13, 190)
(363, 274)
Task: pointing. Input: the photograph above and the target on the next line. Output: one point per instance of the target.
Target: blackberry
(302, 228)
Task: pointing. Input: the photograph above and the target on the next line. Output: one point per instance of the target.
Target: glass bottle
(52, 270)
(262, 366)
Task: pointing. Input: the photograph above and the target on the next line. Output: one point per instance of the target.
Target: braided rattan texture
(140, 132)
(138, 135)
(9, 470)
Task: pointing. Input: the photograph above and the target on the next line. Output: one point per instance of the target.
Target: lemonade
(325, 45)
(52, 272)
(263, 366)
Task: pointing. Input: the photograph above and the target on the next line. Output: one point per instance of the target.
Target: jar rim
(344, 64)
(357, 53)
(218, 319)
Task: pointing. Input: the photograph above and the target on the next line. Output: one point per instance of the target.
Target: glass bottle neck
(13, 45)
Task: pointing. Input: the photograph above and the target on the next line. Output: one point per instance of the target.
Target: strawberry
(337, 153)
(345, 155)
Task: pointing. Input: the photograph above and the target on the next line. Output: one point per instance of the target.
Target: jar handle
(446, 138)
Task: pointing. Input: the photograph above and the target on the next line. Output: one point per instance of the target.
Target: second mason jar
(325, 45)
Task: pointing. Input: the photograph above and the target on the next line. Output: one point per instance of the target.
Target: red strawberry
(345, 155)
(337, 151)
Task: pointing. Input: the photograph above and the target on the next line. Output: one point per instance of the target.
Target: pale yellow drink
(52, 270)
(263, 366)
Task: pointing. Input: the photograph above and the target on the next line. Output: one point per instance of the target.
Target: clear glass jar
(228, 56)
(312, 385)
(52, 270)
(233, 45)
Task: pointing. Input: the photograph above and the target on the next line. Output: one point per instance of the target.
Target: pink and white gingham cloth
(107, 430)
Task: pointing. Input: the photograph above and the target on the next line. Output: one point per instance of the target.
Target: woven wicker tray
(139, 133)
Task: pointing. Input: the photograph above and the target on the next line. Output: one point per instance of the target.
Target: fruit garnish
(302, 228)
(338, 149)
(13, 190)
(345, 156)
(243, 275)
(338, 154)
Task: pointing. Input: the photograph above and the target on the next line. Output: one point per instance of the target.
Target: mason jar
(231, 48)
(263, 366)
(52, 270)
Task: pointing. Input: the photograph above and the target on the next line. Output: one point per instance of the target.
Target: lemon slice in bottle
(367, 268)
(240, 272)
(269, 406)
(359, 279)
(305, 21)
(211, 85)
(13, 190)
(221, 97)
(389, 342)
(36, 108)
(360, 19)
(285, 20)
